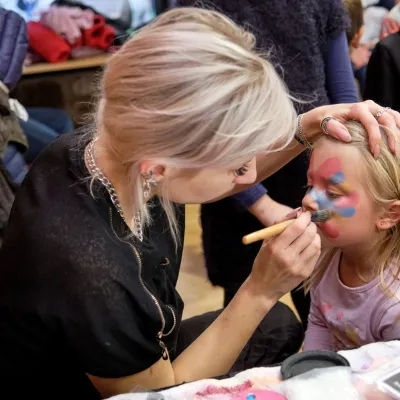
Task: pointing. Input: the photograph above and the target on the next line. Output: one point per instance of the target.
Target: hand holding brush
(316, 216)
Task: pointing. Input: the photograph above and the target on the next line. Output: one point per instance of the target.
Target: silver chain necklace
(96, 172)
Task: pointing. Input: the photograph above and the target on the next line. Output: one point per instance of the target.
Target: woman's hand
(364, 112)
(285, 261)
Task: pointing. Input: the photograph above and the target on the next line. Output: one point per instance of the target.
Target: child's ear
(390, 217)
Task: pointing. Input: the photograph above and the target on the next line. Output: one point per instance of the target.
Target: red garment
(47, 43)
(99, 35)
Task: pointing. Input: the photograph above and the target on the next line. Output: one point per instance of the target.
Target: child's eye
(241, 171)
(332, 196)
(308, 188)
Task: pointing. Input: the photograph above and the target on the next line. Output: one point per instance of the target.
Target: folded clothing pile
(65, 32)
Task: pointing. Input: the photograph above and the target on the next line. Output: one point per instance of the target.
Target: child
(355, 286)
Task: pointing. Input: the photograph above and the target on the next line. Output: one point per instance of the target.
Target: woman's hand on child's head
(286, 260)
(370, 114)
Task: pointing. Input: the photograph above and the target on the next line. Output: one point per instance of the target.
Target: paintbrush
(316, 216)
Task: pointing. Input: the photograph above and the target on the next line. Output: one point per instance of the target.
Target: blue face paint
(337, 178)
(320, 198)
(324, 203)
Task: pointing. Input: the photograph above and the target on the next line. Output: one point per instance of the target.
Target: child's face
(355, 214)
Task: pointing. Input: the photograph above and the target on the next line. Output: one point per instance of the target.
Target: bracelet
(300, 136)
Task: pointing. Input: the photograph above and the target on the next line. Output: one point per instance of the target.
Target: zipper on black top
(160, 334)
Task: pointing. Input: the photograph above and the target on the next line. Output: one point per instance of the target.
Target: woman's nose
(308, 203)
(249, 177)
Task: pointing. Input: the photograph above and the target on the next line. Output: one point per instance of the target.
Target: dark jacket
(13, 48)
(383, 74)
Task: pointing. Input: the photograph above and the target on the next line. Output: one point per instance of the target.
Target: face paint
(330, 172)
(343, 206)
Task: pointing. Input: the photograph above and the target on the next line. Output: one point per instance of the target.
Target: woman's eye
(332, 196)
(241, 171)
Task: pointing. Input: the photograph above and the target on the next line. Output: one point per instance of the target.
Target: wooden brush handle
(267, 232)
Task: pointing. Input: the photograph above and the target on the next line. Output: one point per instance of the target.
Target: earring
(148, 183)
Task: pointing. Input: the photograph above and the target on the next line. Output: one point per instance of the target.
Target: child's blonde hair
(383, 183)
(189, 91)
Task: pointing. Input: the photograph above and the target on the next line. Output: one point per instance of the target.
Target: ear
(151, 168)
(390, 217)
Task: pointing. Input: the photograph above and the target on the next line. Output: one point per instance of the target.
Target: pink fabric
(68, 22)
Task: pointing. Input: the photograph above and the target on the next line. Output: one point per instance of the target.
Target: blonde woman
(92, 252)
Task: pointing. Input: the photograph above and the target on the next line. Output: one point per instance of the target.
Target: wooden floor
(197, 292)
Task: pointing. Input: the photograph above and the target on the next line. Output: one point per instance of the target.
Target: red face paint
(350, 200)
(330, 229)
(326, 170)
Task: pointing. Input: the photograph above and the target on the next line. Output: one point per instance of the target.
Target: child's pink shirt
(342, 317)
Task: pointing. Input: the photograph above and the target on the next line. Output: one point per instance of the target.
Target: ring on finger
(324, 123)
(381, 111)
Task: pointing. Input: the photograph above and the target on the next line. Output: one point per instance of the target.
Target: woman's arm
(258, 203)
(268, 211)
(339, 72)
(250, 196)
(280, 266)
(269, 163)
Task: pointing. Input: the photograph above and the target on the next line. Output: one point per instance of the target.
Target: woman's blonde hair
(383, 183)
(189, 91)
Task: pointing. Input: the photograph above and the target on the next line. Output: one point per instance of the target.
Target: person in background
(312, 57)
(42, 127)
(383, 73)
(13, 48)
(379, 21)
(359, 53)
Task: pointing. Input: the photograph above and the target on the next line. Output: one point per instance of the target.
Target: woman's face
(194, 186)
(355, 214)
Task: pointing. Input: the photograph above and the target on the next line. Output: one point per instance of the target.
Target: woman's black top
(78, 294)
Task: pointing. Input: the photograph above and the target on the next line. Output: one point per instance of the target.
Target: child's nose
(308, 203)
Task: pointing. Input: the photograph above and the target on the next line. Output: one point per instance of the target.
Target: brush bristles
(321, 215)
